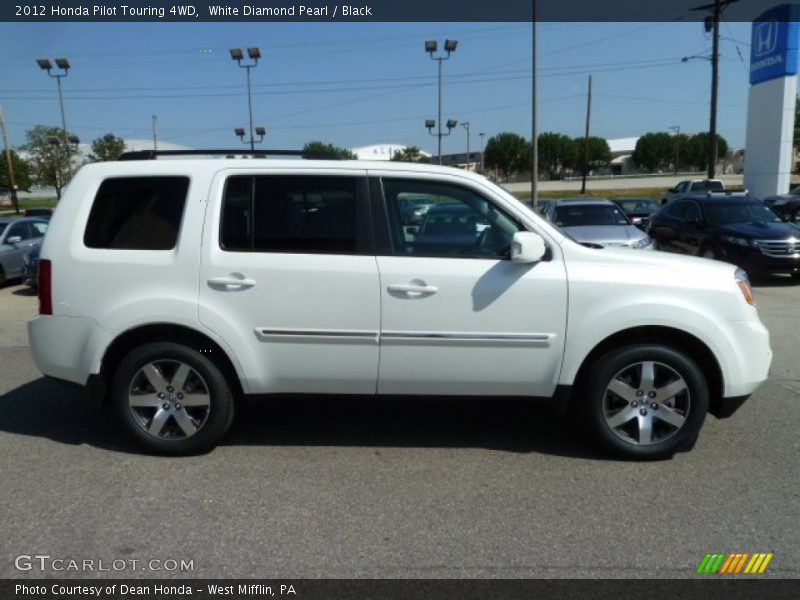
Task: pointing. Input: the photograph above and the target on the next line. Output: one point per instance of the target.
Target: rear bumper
(67, 348)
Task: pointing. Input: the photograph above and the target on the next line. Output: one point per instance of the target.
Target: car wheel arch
(130, 339)
(667, 336)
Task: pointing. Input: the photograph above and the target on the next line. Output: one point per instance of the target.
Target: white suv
(172, 288)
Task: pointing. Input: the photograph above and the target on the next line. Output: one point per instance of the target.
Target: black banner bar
(372, 10)
(405, 589)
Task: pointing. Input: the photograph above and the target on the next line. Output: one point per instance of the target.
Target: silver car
(18, 236)
(597, 221)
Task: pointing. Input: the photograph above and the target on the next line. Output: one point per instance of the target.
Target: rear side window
(293, 214)
(137, 213)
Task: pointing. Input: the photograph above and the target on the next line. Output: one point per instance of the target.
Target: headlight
(738, 241)
(743, 281)
(641, 243)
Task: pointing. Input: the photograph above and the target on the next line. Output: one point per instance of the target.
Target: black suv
(741, 231)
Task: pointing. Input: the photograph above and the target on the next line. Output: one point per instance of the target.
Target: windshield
(725, 213)
(589, 214)
(639, 206)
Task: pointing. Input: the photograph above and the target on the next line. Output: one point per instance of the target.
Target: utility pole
(712, 25)
(586, 138)
(155, 126)
(677, 130)
(465, 125)
(535, 120)
(480, 135)
(12, 182)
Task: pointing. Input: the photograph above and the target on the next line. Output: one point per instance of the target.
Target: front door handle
(231, 282)
(412, 289)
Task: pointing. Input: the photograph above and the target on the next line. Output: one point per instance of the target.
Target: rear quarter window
(137, 213)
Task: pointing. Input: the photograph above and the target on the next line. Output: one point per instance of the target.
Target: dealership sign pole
(771, 105)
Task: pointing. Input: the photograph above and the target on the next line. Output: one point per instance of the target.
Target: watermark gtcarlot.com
(45, 563)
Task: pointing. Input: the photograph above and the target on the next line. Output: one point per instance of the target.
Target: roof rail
(153, 154)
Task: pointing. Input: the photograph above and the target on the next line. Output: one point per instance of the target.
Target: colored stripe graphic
(734, 563)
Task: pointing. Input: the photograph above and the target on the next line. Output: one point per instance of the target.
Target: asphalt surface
(371, 488)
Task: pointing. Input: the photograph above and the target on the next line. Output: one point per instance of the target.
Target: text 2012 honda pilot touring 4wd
(169, 288)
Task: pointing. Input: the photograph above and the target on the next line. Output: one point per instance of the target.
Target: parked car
(597, 221)
(638, 210)
(741, 231)
(172, 288)
(786, 206)
(693, 187)
(30, 275)
(413, 208)
(43, 212)
(18, 237)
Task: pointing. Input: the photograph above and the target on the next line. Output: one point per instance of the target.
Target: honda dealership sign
(770, 109)
(773, 52)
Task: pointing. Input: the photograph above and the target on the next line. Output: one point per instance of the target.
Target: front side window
(295, 214)
(19, 230)
(437, 219)
(137, 213)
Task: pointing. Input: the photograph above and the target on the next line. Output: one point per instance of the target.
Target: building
(380, 151)
(622, 155)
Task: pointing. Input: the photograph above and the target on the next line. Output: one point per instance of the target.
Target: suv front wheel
(172, 399)
(644, 401)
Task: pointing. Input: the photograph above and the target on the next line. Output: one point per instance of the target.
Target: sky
(354, 84)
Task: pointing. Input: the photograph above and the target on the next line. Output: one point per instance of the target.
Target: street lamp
(431, 123)
(465, 125)
(259, 131)
(254, 54)
(64, 66)
(449, 48)
(712, 129)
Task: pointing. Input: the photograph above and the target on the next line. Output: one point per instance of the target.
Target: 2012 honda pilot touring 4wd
(172, 288)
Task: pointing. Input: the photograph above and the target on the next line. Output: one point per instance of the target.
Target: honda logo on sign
(766, 38)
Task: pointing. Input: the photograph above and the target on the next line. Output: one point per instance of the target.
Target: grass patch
(29, 203)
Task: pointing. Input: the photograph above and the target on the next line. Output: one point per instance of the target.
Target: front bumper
(756, 262)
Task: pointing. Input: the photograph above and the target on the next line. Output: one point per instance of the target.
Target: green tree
(599, 152)
(108, 147)
(317, 146)
(49, 163)
(410, 154)
(507, 152)
(654, 150)
(697, 147)
(22, 174)
(556, 151)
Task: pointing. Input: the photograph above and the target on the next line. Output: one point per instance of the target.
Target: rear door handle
(412, 289)
(230, 282)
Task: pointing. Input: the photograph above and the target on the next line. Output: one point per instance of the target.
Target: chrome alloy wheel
(169, 399)
(646, 403)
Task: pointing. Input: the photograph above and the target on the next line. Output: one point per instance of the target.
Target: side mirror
(14, 239)
(527, 247)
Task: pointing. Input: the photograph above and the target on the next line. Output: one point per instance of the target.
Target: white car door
(457, 316)
(289, 279)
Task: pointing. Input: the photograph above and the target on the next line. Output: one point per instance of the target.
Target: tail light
(45, 287)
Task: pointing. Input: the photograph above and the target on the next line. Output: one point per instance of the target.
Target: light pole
(480, 135)
(430, 48)
(430, 124)
(260, 132)
(465, 125)
(254, 54)
(64, 66)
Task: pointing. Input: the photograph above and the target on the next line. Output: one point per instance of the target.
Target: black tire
(204, 381)
(596, 402)
(2, 276)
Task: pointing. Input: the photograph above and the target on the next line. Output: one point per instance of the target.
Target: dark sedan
(741, 231)
(638, 209)
(786, 206)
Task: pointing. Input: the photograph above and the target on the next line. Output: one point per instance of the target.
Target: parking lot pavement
(375, 488)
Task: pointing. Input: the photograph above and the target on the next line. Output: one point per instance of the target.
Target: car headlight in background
(737, 241)
(743, 281)
(641, 243)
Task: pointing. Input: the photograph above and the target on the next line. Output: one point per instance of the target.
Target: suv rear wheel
(644, 401)
(172, 399)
